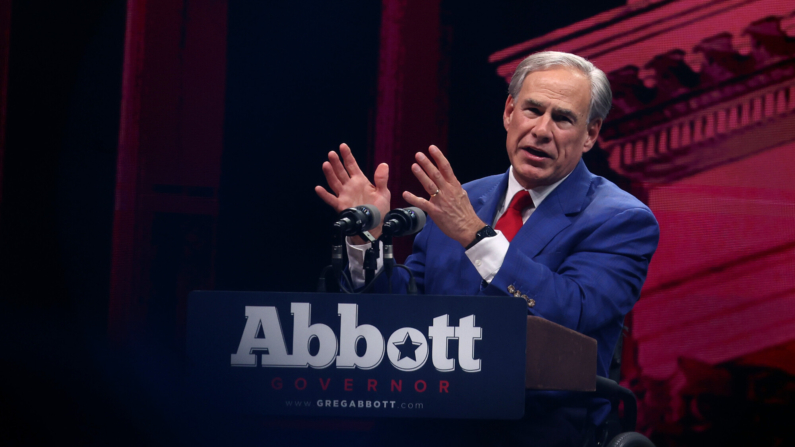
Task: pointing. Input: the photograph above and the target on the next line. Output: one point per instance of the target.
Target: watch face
(484, 232)
(487, 232)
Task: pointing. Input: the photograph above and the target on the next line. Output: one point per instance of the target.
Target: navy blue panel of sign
(357, 355)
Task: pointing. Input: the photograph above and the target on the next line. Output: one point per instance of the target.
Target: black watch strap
(483, 233)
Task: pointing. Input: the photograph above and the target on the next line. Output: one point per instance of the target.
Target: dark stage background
(215, 127)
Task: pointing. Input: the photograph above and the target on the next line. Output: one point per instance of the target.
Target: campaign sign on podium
(357, 355)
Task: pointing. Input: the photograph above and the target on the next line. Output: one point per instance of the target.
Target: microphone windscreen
(373, 213)
(420, 223)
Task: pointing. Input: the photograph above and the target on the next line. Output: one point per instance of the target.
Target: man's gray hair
(601, 95)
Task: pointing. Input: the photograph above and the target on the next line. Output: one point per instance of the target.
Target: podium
(558, 358)
(335, 355)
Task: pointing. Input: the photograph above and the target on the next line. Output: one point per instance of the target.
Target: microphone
(400, 222)
(353, 221)
(404, 221)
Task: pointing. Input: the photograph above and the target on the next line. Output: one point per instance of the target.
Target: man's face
(547, 126)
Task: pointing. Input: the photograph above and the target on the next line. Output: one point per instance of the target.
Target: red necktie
(511, 221)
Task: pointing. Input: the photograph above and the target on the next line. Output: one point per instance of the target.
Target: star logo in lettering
(407, 348)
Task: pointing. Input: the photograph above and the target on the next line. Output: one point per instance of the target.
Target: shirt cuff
(356, 260)
(488, 254)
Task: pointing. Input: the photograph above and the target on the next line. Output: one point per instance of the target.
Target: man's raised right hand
(352, 188)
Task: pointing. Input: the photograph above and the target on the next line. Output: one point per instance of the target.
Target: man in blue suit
(572, 244)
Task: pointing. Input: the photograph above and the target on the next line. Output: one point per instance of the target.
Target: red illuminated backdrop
(703, 126)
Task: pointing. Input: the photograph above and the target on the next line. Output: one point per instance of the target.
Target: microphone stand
(337, 261)
(389, 259)
(370, 258)
(333, 283)
(390, 265)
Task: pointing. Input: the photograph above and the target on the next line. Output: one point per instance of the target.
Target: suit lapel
(552, 216)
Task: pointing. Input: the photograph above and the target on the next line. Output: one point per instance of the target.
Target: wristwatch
(483, 233)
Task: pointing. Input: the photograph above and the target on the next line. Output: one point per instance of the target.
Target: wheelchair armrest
(614, 392)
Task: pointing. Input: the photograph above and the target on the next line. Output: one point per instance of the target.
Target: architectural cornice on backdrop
(578, 37)
(704, 129)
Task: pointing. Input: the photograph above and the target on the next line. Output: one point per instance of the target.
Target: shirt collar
(538, 194)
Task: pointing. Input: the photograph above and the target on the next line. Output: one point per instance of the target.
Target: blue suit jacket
(582, 256)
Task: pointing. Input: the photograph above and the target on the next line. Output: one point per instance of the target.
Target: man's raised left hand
(449, 205)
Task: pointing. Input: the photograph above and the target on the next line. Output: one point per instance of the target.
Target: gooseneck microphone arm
(370, 258)
(389, 259)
